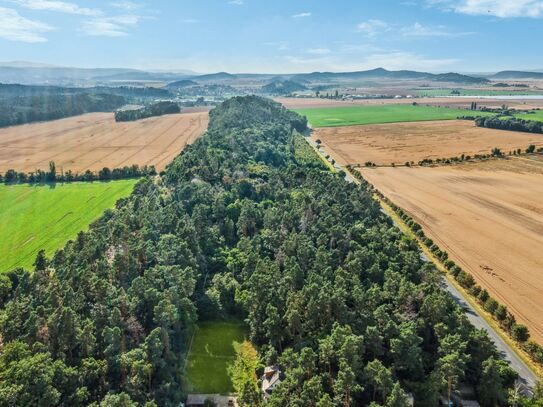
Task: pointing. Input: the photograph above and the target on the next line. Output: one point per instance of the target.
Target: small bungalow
(270, 380)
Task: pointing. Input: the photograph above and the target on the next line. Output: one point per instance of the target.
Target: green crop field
(46, 217)
(473, 92)
(536, 115)
(356, 115)
(211, 353)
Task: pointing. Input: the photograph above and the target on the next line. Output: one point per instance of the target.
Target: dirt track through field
(94, 141)
(488, 217)
(384, 144)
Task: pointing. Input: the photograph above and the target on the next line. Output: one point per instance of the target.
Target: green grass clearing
(33, 218)
(358, 115)
(211, 353)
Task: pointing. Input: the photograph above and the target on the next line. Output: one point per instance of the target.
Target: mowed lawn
(358, 115)
(211, 353)
(46, 217)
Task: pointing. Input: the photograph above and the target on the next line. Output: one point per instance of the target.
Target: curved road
(527, 378)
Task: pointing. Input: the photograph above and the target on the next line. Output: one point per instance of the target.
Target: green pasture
(536, 115)
(33, 218)
(212, 351)
(376, 114)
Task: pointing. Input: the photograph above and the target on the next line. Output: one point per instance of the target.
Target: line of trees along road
(241, 225)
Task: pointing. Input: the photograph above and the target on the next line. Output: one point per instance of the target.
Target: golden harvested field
(94, 141)
(489, 217)
(457, 102)
(385, 144)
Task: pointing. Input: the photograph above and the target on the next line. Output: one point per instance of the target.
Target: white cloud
(318, 51)
(14, 27)
(110, 26)
(302, 15)
(419, 30)
(373, 27)
(58, 6)
(495, 8)
(126, 5)
(236, 2)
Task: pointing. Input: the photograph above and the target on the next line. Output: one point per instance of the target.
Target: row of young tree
(242, 224)
(52, 176)
(507, 321)
(155, 109)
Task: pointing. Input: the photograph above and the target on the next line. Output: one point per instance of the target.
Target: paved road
(527, 378)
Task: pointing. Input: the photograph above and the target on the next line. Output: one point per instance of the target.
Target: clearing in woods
(357, 115)
(384, 144)
(488, 216)
(212, 351)
(94, 141)
(46, 217)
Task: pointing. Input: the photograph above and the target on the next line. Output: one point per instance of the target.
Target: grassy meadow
(212, 351)
(535, 115)
(376, 114)
(46, 217)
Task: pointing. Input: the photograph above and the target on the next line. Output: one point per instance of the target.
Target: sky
(275, 36)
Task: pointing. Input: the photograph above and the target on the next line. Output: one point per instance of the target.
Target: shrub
(520, 333)
(490, 305)
(500, 313)
(483, 296)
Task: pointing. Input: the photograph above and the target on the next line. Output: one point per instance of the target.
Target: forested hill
(245, 223)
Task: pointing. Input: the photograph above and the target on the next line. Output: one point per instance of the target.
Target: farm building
(270, 380)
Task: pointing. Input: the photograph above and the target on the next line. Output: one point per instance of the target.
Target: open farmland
(488, 217)
(359, 115)
(211, 353)
(45, 217)
(384, 144)
(476, 92)
(451, 102)
(94, 141)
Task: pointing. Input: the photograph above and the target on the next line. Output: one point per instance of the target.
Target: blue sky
(275, 36)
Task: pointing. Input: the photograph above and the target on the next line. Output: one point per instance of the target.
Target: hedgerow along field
(33, 218)
(358, 115)
(212, 351)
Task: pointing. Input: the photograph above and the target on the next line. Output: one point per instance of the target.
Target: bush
(520, 333)
(490, 305)
(483, 296)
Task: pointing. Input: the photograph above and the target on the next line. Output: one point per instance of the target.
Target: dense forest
(245, 223)
(21, 104)
(155, 109)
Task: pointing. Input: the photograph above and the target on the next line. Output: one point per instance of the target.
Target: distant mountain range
(519, 75)
(42, 74)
